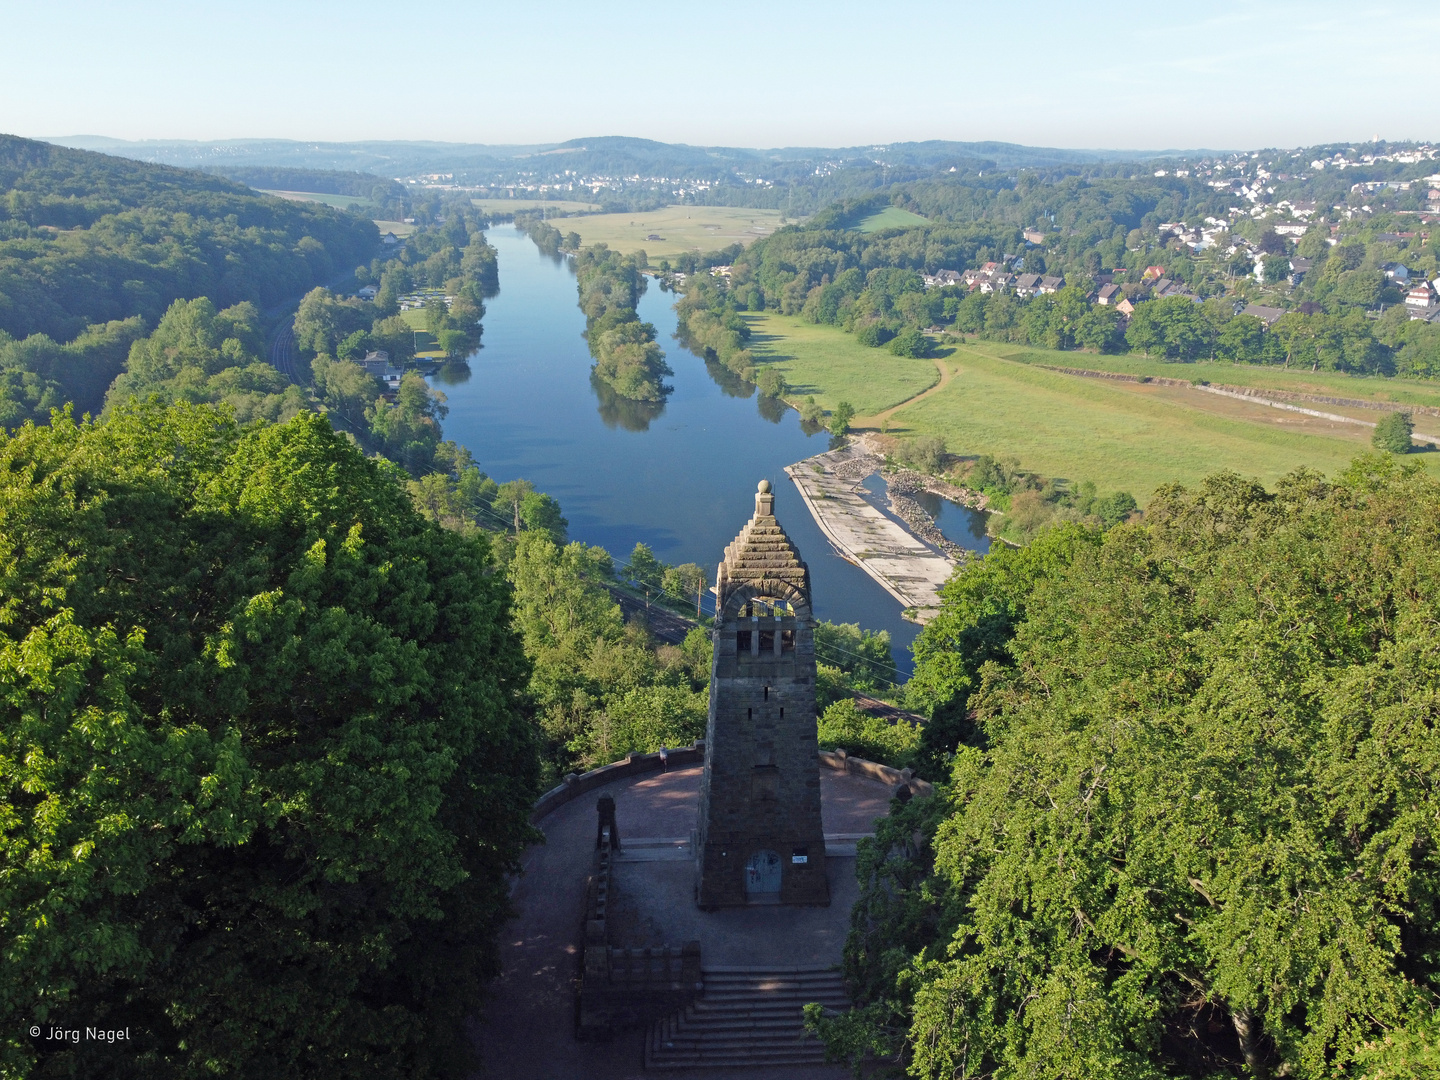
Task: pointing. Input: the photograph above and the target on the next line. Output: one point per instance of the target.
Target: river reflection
(678, 475)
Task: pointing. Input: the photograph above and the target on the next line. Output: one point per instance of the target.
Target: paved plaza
(528, 1028)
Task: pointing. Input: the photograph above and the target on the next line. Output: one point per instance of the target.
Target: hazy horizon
(772, 76)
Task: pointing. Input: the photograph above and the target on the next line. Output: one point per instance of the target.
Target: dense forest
(94, 249)
(1188, 829)
(384, 198)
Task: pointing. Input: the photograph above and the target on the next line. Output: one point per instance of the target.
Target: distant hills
(589, 155)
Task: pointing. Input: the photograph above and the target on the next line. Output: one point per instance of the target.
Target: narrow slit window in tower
(767, 693)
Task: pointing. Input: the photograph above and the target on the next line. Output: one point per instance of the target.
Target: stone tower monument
(760, 839)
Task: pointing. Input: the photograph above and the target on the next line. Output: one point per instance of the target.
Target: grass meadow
(892, 217)
(399, 228)
(833, 366)
(343, 202)
(1121, 435)
(685, 228)
(515, 206)
(1299, 380)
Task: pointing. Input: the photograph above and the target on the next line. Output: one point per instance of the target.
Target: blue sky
(1216, 75)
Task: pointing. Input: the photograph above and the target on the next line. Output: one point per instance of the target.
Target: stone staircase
(747, 1016)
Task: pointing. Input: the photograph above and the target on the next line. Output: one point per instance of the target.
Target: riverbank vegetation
(628, 361)
(1181, 727)
(627, 358)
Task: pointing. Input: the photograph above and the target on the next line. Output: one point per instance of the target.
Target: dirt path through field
(881, 418)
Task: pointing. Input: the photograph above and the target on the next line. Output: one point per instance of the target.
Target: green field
(1121, 435)
(820, 360)
(399, 228)
(514, 206)
(684, 228)
(343, 202)
(892, 217)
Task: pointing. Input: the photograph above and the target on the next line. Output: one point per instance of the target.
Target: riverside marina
(671, 475)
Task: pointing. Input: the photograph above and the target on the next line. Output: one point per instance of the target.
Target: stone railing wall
(637, 764)
(896, 778)
(576, 784)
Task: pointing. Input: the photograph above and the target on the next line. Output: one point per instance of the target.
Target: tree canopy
(1191, 828)
(265, 774)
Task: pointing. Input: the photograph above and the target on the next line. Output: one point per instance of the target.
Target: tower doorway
(762, 873)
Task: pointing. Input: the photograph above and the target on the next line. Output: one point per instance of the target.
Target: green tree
(260, 736)
(911, 342)
(454, 343)
(684, 581)
(408, 430)
(843, 726)
(864, 656)
(323, 321)
(346, 389)
(542, 513)
(512, 496)
(645, 567)
(840, 418)
(771, 382)
(1392, 433)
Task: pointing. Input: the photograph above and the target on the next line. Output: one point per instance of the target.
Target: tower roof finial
(764, 500)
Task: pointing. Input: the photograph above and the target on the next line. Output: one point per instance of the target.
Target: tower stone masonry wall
(760, 836)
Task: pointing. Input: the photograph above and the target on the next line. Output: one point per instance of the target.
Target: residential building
(368, 292)
(1268, 315)
(1051, 284)
(1291, 228)
(1108, 295)
(941, 278)
(1421, 301)
(1034, 236)
(1027, 284)
(378, 364)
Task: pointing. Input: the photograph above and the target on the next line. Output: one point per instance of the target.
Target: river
(680, 477)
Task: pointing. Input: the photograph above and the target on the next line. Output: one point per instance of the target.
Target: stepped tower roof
(763, 557)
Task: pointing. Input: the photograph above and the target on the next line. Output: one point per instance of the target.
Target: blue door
(762, 873)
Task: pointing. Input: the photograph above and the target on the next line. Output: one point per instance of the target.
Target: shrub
(911, 343)
(1393, 433)
(874, 335)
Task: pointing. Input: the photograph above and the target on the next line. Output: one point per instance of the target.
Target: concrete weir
(906, 567)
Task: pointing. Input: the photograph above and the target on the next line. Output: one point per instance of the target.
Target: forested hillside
(88, 242)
